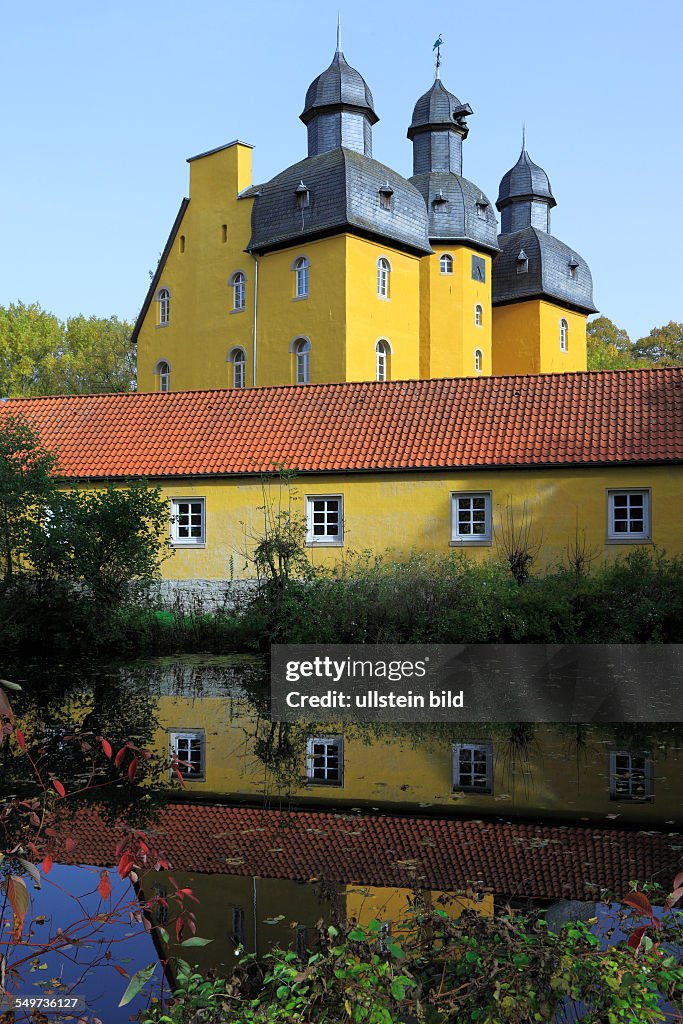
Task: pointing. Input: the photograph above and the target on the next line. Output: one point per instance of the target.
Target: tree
(104, 539)
(663, 346)
(26, 488)
(41, 355)
(609, 346)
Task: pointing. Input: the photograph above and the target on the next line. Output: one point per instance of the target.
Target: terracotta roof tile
(546, 419)
(536, 861)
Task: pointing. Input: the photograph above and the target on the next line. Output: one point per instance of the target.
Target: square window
(325, 760)
(188, 521)
(324, 520)
(630, 776)
(473, 767)
(188, 754)
(628, 515)
(471, 518)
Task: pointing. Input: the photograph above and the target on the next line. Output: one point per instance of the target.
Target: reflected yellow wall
(408, 512)
(526, 338)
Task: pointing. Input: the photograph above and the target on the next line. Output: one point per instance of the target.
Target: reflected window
(630, 776)
(187, 754)
(325, 760)
(473, 767)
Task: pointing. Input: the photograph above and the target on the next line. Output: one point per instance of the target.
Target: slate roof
(343, 196)
(458, 219)
(339, 85)
(599, 418)
(524, 180)
(537, 861)
(548, 271)
(438, 106)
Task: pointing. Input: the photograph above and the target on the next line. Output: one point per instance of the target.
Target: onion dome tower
(339, 109)
(525, 197)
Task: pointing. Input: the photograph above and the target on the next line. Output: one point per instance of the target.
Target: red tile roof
(536, 861)
(627, 416)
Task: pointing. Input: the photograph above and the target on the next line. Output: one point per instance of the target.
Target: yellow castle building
(339, 269)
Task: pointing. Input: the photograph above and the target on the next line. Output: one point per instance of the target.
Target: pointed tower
(542, 289)
(455, 321)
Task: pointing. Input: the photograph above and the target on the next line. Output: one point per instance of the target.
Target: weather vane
(437, 46)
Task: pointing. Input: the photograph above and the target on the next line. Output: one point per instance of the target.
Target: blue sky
(102, 104)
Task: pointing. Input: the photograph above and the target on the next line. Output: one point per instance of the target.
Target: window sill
(326, 785)
(471, 791)
(484, 543)
(162, 325)
(629, 540)
(384, 298)
(299, 298)
(631, 799)
(186, 545)
(324, 544)
(243, 310)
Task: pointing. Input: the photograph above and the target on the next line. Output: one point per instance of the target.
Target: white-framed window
(302, 361)
(164, 300)
(628, 515)
(238, 359)
(446, 263)
(478, 360)
(324, 519)
(478, 315)
(382, 360)
(188, 522)
(188, 753)
(301, 278)
(163, 372)
(325, 760)
(238, 283)
(471, 517)
(564, 335)
(473, 767)
(630, 776)
(383, 276)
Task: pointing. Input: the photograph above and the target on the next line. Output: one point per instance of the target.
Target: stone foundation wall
(200, 595)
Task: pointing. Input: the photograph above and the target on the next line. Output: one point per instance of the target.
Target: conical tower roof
(438, 107)
(339, 85)
(526, 180)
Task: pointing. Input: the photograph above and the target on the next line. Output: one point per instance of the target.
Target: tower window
(564, 335)
(482, 207)
(385, 194)
(573, 267)
(478, 360)
(302, 196)
(301, 278)
(439, 202)
(163, 371)
(522, 262)
(224, 232)
(164, 300)
(446, 264)
(478, 315)
(382, 360)
(238, 360)
(239, 292)
(383, 274)
(302, 361)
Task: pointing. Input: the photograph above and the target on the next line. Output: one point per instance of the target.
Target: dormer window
(522, 262)
(439, 203)
(303, 196)
(385, 194)
(482, 207)
(573, 267)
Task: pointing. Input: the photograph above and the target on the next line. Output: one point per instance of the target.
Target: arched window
(163, 371)
(478, 315)
(302, 357)
(478, 360)
(164, 300)
(383, 273)
(238, 282)
(564, 335)
(446, 264)
(301, 278)
(238, 360)
(382, 360)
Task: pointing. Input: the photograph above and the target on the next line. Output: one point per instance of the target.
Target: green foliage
(42, 355)
(26, 487)
(610, 348)
(663, 345)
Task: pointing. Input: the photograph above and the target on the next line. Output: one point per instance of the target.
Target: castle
(339, 269)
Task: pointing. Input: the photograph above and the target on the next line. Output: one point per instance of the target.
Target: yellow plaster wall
(526, 338)
(411, 512)
(450, 333)
(202, 328)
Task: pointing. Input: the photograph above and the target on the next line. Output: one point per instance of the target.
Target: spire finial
(437, 46)
(523, 136)
(338, 31)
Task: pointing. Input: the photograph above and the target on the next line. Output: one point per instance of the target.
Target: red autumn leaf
(17, 893)
(181, 780)
(179, 929)
(49, 831)
(121, 845)
(118, 760)
(636, 937)
(69, 844)
(147, 754)
(678, 880)
(192, 926)
(104, 888)
(126, 865)
(21, 739)
(34, 819)
(132, 768)
(121, 971)
(59, 787)
(5, 706)
(674, 897)
(106, 746)
(639, 902)
(143, 846)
